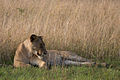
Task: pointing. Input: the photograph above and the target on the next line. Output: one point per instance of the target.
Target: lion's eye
(41, 46)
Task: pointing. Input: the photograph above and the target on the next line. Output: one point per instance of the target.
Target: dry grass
(89, 27)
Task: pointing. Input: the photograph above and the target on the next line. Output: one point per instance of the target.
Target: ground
(59, 73)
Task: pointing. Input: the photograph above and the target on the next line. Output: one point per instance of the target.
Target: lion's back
(21, 54)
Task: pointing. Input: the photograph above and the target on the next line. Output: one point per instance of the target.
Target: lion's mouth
(39, 54)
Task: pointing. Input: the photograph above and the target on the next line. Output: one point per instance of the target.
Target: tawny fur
(24, 56)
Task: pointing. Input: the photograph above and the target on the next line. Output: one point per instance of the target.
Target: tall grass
(89, 27)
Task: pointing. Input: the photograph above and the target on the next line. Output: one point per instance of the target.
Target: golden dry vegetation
(88, 27)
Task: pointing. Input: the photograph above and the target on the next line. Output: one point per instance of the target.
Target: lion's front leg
(37, 62)
(21, 64)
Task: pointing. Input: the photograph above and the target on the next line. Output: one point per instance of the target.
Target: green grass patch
(58, 73)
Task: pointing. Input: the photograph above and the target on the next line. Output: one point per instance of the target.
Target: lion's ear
(33, 37)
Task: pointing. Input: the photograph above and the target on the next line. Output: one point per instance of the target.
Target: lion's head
(38, 45)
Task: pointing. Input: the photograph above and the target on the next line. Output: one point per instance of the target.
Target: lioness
(33, 52)
(28, 52)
